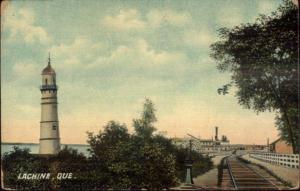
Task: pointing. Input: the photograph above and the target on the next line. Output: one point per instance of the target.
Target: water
(34, 148)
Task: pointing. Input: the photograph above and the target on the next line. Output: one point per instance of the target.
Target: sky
(111, 55)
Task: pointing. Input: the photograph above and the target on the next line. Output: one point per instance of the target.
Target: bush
(21, 161)
(118, 160)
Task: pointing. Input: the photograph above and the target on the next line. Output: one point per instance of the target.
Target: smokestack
(216, 135)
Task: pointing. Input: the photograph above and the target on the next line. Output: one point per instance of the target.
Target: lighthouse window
(46, 81)
(54, 127)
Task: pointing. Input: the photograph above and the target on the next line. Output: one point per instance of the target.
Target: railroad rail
(242, 177)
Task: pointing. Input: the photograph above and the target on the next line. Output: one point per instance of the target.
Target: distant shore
(17, 143)
(34, 147)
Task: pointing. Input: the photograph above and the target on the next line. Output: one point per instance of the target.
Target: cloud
(125, 20)
(202, 38)
(156, 18)
(78, 52)
(265, 7)
(229, 16)
(21, 24)
(104, 74)
(86, 54)
(130, 19)
(142, 51)
(25, 70)
(139, 53)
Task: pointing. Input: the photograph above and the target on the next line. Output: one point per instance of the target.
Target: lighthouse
(49, 128)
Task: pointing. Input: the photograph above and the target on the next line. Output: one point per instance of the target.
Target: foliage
(144, 126)
(113, 154)
(134, 161)
(114, 134)
(201, 164)
(263, 60)
(118, 160)
(21, 161)
(135, 164)
(143, 159)
(158, 168)
(282, 124)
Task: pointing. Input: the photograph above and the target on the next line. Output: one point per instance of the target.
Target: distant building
(205, 145)
(215, 144)
(280, 146)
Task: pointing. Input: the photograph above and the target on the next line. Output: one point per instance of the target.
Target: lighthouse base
(51, 146)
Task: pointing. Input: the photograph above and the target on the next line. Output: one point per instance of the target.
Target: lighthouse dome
(48, 70)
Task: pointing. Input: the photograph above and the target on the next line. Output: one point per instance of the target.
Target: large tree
(263, 59)
(132, 161)
(144, 126)
(142, 159)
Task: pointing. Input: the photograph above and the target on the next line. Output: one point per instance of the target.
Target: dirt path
(210, 178)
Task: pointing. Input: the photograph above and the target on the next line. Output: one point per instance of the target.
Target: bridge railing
(287, 160)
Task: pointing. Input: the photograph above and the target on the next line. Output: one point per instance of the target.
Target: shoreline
(16, 143)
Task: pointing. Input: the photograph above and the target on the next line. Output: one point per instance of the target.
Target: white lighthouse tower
(49, 128)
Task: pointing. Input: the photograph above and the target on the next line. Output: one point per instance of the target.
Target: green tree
(71, 161)
(144, 126)
(136, 161)
(157, 152)
(158, 168)
(107, 155)
(263, 60)
(21, 161)
(113, 135)
(201, 164)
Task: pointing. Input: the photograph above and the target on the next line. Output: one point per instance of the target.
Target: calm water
(34, 148)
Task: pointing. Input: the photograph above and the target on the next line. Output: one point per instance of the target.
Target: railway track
(240, 176)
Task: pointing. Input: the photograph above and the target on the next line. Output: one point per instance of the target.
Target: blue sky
(110, 55)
